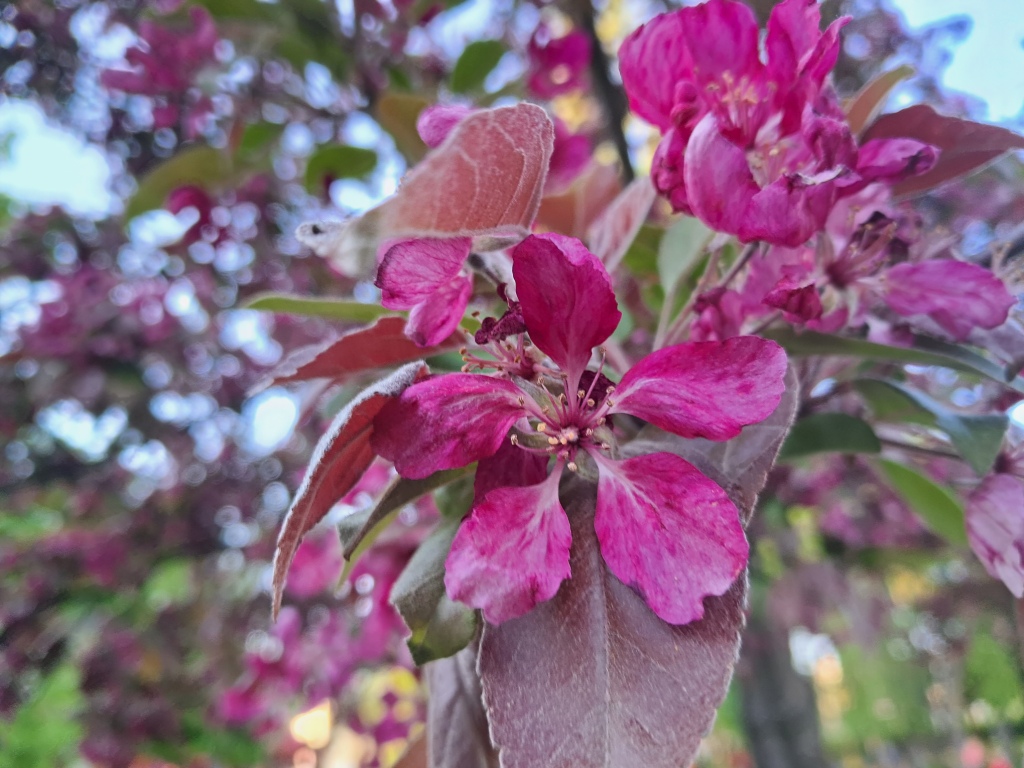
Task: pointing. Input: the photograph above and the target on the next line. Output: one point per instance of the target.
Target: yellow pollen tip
(521, 400)
(610, 402)
(552, 441)
(463, 350)
(514, 439)
(465, 368)
(610, 389)
(541, 427)
(563, 441)
(590, 402)
(581, 393)
(571, 466)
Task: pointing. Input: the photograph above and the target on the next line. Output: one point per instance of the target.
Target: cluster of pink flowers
(758, 149)
(164, 64)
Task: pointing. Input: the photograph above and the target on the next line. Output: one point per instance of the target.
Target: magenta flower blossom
(557, 64)
(995, 529)
(759, 149)
(427, 277)
(663, 527)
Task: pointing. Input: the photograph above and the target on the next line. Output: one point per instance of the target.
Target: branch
(611, 96)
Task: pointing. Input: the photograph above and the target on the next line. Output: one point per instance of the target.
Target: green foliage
(338, 162)
(332, 309)
(829, 433)
(977, 437)
(202, 166)
(440, 627)
(990, 673)
(937, 507)
(680, 250)
(171, 582)
(227, 746)
(43, 731)
(477, 61)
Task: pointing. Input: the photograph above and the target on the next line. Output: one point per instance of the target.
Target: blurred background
(155, 159)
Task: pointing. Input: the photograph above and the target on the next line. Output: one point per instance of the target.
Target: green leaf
(257, 138)
(359, 531)
(680, 249)
(990, 672)
(440, 626)
(925, 351)
(936, 505)
(397, 114)
(829, 433)
(169, 583)
(476, 62)
(202, 166)
(863, 107)
(332, 309)
(339, 161)
(44, 730)
(976, 437)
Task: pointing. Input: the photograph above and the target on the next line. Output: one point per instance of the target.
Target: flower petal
(512, 552)
(995, 529)
(567, 299)
(654, 62)
(437, 121)
(412, 270)
(510, 466)
(956, 295)
(438, 316)
(669, 531)
(446, 422)
(706, 388)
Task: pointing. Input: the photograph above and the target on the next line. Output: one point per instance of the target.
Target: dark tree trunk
(780, 714)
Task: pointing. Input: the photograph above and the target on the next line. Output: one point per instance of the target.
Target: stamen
(542, 427)
(514, 439)
(571, 466)
(552, 441)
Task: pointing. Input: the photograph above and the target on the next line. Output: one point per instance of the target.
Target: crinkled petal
(719, 184)
(723, 37)
(705, 389)
(436, 317)
(436, 122)
(995, 529)
(446, 422)
(512, 552)
(509, 467)
(799, 303)
(893, 160)
(654, 60)
(669, 531)
(567, 299)
(412, 270)
(667, 170)
(956, 295)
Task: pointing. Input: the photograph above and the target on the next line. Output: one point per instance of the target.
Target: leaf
(339, 460)
(477, 61)
(397, 114)
(863, 107)
(484, 181)
(610, 236)
(338, 162)
(937, 507)
(457, 735)
(256, 140)
(976, 437)
(44, 729)
(965, 145)
(829, 433)
(740, 465)
(359, 531)
(573, 211)
(440, 627)
(415, 756)
(332, 309)
(593, 679)
(680, 249)
(925, 351)
(991, 673)
(380, 345)
(202, 166)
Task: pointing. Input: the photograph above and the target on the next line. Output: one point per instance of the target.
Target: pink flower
(995, 529)
(316, 566)
(663, 527)
(166, 61)
(759, 149)
(956, 295)
(557, 65)
(426, 276)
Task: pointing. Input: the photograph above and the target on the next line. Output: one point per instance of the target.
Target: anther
(588, 432)
(571, 466)
(552, 441)
(591, 402)
(610, 402)
(563, 441)
(521, 400)
(463, 350)
(542, 426)
(601, 421)
(580, 393)
(466, 368)
(514, 439)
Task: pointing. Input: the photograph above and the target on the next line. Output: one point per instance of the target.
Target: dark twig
(612, 97)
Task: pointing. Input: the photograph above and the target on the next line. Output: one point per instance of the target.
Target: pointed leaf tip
(339, 460)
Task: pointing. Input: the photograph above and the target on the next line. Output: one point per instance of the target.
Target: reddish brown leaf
(574, 210)
(869, 99)
(415, 756)
(456, 721)
(965, 145)
(340, 458)
(614, 230)
(593, 679)
(380, 345)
